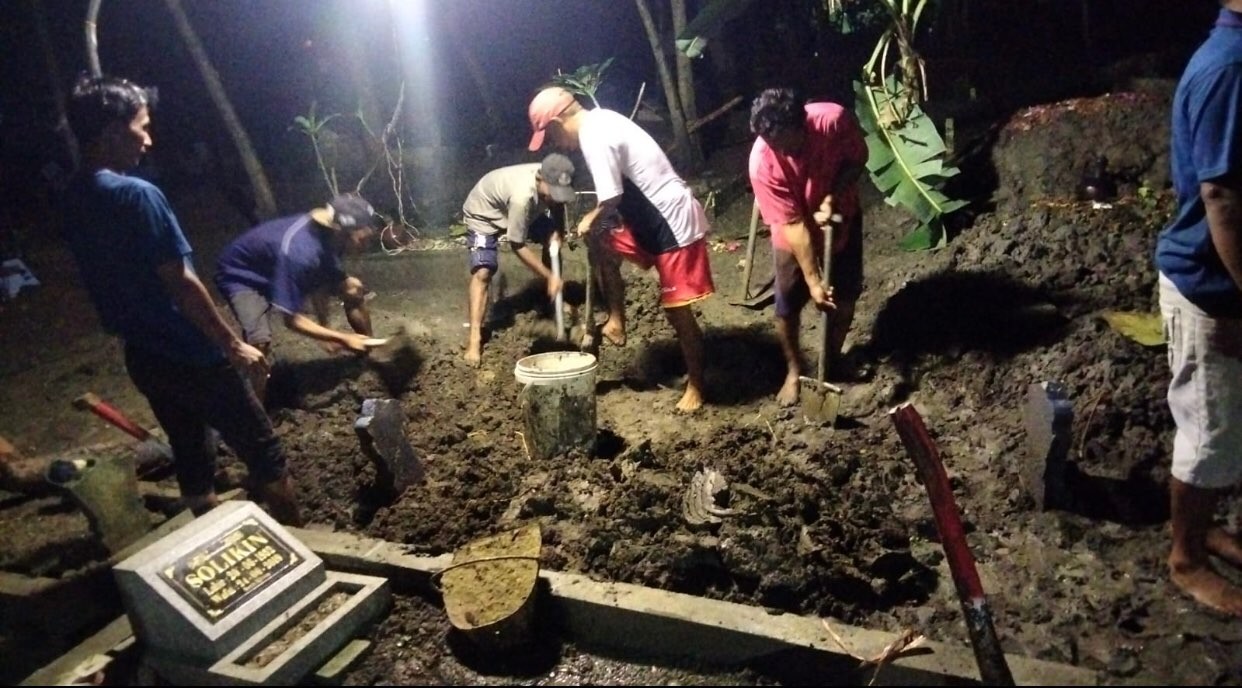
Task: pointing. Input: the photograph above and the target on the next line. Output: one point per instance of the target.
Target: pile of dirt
(835, 523)
(1043, 151)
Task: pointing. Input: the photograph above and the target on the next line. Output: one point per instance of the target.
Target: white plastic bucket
(556, 368)
(558, 402)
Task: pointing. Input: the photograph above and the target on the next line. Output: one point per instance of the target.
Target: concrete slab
(1048, 417)
(381, 429)
(333, 671)
(368, 598)
(620, 617)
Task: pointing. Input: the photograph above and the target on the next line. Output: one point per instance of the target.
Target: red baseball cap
(547, 105)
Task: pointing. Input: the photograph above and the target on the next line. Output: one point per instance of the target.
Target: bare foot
(1225, 545)
(691, 401)
(473, 355)
(1208, 588)
(614, 332)
(788, 395)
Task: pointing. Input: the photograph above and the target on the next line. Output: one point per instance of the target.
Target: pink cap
(547, 105)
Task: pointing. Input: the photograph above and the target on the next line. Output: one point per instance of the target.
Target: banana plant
(584, 81)
(906, 155)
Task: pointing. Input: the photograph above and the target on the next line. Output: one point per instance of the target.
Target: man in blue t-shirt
(282, 264)
(1199, 256)
(136, 265)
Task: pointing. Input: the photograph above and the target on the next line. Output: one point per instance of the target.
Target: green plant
(313, 127)
(906, 154)
(391, 154)
(583, 81)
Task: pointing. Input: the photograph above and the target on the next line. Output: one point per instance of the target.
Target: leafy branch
(313, 127)
(583, 81)
(905, 150)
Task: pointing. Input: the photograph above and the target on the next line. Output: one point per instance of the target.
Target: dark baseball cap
(347, 212)
(558, 171)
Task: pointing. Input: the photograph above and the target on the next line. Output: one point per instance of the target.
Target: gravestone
(234, 580)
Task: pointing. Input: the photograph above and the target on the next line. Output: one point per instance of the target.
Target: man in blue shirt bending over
(281, 264)
(135, 263)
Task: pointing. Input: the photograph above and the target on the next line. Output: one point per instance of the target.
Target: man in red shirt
(804, 168)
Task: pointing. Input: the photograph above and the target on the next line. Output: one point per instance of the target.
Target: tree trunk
(52, 65)
(685, 83)
(479, 75)
(92, 41)
(681, 138)
(265, 202)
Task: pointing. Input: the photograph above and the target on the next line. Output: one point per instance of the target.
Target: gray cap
(558, 171)
(348, 212)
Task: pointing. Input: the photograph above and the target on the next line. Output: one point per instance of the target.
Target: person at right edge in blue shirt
(1199, 256)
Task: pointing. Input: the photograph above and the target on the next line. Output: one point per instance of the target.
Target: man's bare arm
(194, 302)
(1222, 199)
(591, 220)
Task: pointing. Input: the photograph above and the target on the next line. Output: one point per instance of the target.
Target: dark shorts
(484, 248)
(187, 400)
(483, 253)
(254, 315)
(847, 274)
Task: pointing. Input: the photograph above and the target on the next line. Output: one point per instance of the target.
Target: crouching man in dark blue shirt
(136, 265)
(283, 263)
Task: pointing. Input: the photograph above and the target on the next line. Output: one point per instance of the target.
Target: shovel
(554, 251)
(767, 292)
(821, 401)
(395, 359)
(588, 320)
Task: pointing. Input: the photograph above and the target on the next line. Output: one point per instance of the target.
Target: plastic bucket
(558, 402)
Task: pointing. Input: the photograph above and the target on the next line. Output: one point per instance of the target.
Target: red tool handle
(993, 668)
(99, 407)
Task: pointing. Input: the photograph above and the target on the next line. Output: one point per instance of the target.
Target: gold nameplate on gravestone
(228, 570)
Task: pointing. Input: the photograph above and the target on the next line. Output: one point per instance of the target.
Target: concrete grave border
(655, 622)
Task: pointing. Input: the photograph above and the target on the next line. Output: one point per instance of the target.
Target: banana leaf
(693, 40)
(1145, 328)
(905, 156)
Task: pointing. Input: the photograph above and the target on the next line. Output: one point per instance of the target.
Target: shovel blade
(760, 299)
(821, 401)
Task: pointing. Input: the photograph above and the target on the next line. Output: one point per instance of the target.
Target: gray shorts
(1205, 394)
(253, 313)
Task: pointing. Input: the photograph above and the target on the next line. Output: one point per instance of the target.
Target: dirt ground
(827, 522)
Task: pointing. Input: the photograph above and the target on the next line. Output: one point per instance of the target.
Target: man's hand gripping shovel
(821, 400)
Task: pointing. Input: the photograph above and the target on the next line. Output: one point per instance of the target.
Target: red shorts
(685, 273)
